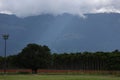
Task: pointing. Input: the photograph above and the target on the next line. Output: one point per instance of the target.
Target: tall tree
(34, 56)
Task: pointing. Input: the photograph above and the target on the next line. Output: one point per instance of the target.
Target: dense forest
(35, 57)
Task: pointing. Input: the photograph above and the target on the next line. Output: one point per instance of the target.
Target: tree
(33, 57)
(113, 62)
(1, 62)
(11, 61)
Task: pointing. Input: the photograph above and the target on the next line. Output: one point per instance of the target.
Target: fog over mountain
(62, 33)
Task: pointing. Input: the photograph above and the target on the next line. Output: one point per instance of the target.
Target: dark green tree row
(87, 61)
(35, 57)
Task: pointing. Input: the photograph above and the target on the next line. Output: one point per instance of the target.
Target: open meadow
(58, 77)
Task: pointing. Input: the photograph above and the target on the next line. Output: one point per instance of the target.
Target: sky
(23, 8)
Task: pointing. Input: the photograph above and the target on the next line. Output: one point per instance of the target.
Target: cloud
(23, 8)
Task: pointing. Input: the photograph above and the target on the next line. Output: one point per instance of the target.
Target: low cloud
(23, 8)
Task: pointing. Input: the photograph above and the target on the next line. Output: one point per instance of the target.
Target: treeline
(35, 57)
(87, 61)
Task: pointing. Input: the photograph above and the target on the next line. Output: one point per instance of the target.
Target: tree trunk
(34, 71)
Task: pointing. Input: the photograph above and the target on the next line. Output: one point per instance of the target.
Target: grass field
(58, 77)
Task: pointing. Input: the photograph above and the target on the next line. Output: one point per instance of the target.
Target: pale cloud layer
(24, 8)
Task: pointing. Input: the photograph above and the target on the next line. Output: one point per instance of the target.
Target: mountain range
(62, 33)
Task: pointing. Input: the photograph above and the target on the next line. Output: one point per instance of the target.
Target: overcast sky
(23, 8)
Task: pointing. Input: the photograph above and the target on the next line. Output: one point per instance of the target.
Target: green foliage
(113, 62)
(1, 62)
(87, 61)
(34, 57)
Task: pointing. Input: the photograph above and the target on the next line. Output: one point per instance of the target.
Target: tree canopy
(34, 57)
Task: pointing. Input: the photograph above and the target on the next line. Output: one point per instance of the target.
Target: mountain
(62, 33)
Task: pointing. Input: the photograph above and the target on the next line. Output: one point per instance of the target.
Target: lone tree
(34, 57)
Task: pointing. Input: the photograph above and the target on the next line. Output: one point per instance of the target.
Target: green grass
(57, 77)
